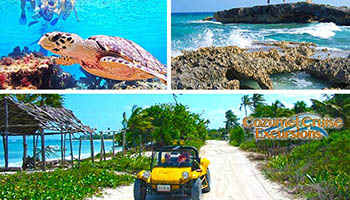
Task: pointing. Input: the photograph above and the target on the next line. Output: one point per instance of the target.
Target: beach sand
(233, 177)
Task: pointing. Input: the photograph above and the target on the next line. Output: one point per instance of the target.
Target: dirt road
(234, 177)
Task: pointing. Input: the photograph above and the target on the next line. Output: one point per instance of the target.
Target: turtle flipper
(110, 61)
(65, 60)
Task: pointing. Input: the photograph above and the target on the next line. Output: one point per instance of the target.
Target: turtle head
(60, 43)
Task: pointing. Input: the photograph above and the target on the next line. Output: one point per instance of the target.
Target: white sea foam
(321, 30)
(205, 39)
(236, 38)
(203, 22)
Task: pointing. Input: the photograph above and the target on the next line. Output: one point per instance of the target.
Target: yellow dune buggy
(176, 171)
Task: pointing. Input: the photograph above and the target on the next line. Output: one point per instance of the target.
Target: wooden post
(92, 148)
(80, 141)
(71, 149)
(62, 149)
(102, 148)
(43, 154)
(24, 165)
(6, 135)
(4, 142)
(113, 150)
(124, 141)
(34, 151)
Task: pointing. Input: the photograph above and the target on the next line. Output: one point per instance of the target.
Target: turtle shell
(128, 50)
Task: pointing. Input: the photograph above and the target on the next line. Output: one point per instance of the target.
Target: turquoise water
(142, 21)
(189, 33)
(16, 149)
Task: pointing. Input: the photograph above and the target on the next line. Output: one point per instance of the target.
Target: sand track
(234, 177)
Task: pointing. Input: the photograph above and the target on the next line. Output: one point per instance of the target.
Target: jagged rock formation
(301, 12)
(225, 67)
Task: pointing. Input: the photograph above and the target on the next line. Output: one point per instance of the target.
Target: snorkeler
(46, 9)
(67, 6)
(23, 18)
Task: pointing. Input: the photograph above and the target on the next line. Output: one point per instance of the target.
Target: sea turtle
(104, 56)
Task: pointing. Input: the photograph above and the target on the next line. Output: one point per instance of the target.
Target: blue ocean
(189, 32)
(142, 21)
(16, 149)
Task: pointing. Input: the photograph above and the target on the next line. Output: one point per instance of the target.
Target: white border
(169, 89)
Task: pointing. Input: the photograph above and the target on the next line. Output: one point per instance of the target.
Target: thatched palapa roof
(27, 119)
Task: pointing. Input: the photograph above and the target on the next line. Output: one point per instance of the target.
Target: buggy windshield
(177, 158)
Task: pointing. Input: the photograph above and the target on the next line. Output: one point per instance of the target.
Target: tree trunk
(124, 141)
(140, 151)
(113, 150)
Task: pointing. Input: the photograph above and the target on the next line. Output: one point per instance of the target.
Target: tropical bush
(124, 163)
(236, 136)
(165, 124)
(320, 169)
(77, 183)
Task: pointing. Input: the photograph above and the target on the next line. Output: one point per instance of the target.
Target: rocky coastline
(226, 67)
(25, 69)
(301, 12)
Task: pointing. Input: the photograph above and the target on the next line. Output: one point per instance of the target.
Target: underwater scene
(80, 44)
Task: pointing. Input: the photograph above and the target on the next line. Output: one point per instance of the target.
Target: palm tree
(54, 100)
(231, 120)
(276, 109)
(337, 106)
(257, 99)
(300, 107)
(246, 102)
(139, 123)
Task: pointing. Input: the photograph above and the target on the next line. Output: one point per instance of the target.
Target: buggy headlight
(185, 175)
(146, 174)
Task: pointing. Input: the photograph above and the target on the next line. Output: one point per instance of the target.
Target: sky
(104, 111)
(216, 5)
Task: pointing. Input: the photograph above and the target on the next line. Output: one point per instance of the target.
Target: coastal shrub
(236, 136)
(124, 163)
(249, 145)
(320, 169)
(77, 183)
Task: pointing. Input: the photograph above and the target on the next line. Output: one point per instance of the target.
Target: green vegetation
(124, 163)
(54, 100)
(237, 136)
(320, 169)
(77, 183)
(164, 124)
(316, 169)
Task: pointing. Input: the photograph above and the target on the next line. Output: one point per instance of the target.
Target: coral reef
(226, 67)
(30, 70)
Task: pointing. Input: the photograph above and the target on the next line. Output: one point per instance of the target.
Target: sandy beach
(233, 177)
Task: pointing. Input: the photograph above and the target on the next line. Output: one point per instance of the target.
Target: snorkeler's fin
(54, 22)
(23, 19)
(32, 23)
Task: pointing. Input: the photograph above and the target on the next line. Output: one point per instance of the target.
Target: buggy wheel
(140, 190)
(207, 181)
(196, 193)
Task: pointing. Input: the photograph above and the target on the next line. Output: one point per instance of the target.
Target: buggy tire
(196, 193)
(140, 191)
(207, 176)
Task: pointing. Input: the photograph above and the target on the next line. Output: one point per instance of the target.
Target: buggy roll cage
(175, 148)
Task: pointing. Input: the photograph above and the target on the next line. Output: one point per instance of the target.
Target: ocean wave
(238, 39)
(203, 22)
(321, 30)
